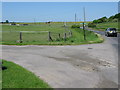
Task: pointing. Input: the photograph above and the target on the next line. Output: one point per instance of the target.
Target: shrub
(95, 21)
(75, 26)
(7, 21)
(91, 25)
(115, 20)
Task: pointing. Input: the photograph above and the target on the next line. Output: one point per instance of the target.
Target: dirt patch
(82, 61)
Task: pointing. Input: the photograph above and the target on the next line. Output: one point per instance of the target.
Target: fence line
(60, 36)
(25, 31)
(35, 36)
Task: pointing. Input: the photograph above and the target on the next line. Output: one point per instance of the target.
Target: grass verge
(17, 77)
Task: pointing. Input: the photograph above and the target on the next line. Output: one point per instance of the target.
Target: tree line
(113, 18)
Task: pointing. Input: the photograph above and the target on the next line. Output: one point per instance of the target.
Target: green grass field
(17, 77)
(37, 34)
(104, 26)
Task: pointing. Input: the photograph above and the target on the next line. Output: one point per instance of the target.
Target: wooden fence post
(71, 33)
(59, 35)
(21, 37)
(84, 31)
(65, 36)
(49, 36)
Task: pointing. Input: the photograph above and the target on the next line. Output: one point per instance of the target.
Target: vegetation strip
(17, 77)
(103, 23)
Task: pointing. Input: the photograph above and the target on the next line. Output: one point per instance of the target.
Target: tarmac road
(80, 66)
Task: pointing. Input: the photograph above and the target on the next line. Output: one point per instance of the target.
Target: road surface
(80, 66)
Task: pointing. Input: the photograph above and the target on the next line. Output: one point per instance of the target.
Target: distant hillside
(113, 18)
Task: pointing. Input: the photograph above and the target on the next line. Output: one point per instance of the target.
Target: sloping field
(104, 26)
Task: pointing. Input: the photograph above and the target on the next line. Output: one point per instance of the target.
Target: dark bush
(4, 67)
(95, 21)
(75, 26)
(91, 25)
(7, 21)
(72, 40)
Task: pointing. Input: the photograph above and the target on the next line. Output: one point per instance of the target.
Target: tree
(103, 19)
(100, 20)
(6, 21)
(117, 16)
(111, 18)
(114, 18)
(92, 25)
(95, 21)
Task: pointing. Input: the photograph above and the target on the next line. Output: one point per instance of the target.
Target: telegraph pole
(75, 18)
(84, 14)
(84, 24)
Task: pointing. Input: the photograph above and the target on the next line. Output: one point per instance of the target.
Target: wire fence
(34, 36)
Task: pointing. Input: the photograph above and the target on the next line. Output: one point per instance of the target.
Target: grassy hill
(105, 25)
